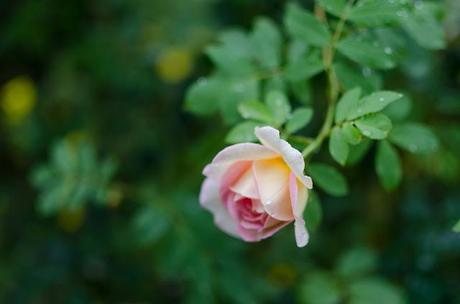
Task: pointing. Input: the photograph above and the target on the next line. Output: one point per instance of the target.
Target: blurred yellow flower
(71, 220)
(114, 196)
(18, 98)
(76, 137)
(174, 64)
(282, 274)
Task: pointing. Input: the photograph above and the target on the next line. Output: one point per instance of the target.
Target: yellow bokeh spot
(18, 98)
(282, 274)
(174, 64)
(71, 220)
(76, 137)
(114, 196)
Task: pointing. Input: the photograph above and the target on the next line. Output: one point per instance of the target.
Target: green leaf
(297, 49)
(351, 133)
(236, 91)
(335, 7)
(374, 126)
(346, 104)
(456, 228)
(299, 119)
(266, 43)
(387, 165)
(304, 68)
(422, 26)
(375, 291)
(366, 52)
(202, 97)
(373, 103)
(221, 92)
(356, 262)
(399, 111)
(313, 212)
(233, 53)
(415, 138)
(238, 42)
(338, 146)
(320, 288)
(358, 151)
(255, 110)
(328, 179)
(393, 41)
(73, 177)
(275, 83)
(242, 132)
(374, 12)
(351, 76)
(279, 106)
(302, 25)
(302, 90)
(150, 224)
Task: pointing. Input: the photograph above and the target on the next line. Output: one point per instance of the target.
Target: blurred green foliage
(73, 177)
(86, 85)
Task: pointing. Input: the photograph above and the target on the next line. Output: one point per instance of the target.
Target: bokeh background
(100, 170)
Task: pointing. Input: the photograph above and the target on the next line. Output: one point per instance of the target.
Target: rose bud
(254, 190)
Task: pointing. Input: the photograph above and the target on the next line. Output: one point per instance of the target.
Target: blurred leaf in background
(111, 214)
(74, 177)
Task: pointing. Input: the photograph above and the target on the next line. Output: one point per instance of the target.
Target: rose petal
(272, 180)
(298, 205)
(243, 232)
(234, 153)
(232, 175)
(210, 200)
(272, 226)
(301, 233)
(302, 195)
(246, 185)
(270, 138)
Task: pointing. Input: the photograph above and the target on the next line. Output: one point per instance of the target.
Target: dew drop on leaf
(388, 50)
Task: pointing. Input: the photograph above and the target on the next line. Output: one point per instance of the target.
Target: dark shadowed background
(100, 170)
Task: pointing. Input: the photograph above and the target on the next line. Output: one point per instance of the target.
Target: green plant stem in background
(301, 139)
(324, 132)
(334, 87)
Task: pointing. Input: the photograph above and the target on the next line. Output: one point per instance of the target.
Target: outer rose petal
(234, 153)
(272, 226)
(298, 201)
(270, 137)
(210, 200)
(272, 180)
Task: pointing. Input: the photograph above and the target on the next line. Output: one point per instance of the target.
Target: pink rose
(255, 190)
